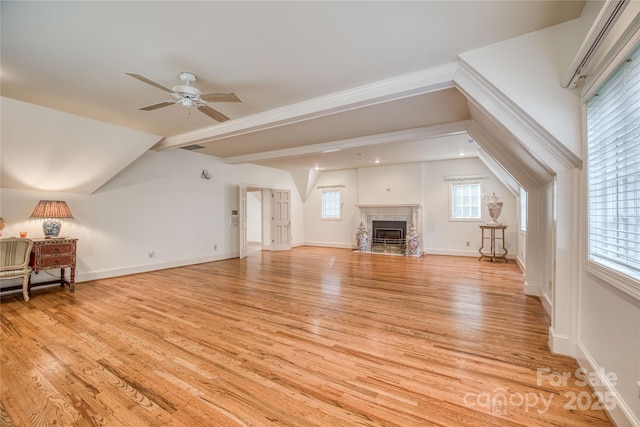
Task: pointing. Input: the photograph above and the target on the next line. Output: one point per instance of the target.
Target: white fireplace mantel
(389, 206)
(411, 210)
(392, 212)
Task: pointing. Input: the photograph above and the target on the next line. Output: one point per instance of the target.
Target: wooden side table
(54, 253)
(496, 234)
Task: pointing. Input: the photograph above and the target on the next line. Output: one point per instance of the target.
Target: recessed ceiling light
(377, 161)
(460, 154)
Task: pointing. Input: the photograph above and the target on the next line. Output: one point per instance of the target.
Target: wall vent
(192, 147)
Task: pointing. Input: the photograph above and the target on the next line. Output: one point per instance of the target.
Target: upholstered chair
(14, 261)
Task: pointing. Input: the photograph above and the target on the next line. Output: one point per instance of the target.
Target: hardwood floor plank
(308, 337)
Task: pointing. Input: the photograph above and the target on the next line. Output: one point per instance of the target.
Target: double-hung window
(523, 210)
(613, 177)
(465, 201)
(331, 204)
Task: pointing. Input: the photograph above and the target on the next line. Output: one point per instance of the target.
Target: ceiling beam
(384, 138)
(404, 86)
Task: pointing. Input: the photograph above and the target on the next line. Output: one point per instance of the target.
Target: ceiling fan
(189, 96)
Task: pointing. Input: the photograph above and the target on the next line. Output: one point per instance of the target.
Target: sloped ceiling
(280, 58)
(46, 149)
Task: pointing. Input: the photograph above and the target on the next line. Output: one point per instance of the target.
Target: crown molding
(499, 171)
(494, 149)
(383, 138)
(540, 143)
(404, 86)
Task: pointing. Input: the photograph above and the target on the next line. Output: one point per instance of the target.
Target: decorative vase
(362, 237)
(495, 208)
(413, 241)
(51, 228)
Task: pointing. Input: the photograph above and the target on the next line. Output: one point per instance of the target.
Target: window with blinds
(523, 210)
(613, 170)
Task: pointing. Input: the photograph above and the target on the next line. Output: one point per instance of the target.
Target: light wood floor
(313, 336)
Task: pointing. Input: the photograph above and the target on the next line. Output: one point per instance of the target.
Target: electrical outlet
(151, 253)
(215, 247)
(468, 244)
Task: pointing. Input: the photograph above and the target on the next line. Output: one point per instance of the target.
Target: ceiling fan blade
(156, 105)
(216, 115)
(149, 82)
(220, 97)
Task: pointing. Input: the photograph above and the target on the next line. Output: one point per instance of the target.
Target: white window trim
(466, 182)
(614, 278)
(326, 190)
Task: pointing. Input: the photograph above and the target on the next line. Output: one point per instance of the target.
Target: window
(465, 201)
(523, 210)
(331, 204)
(613, 175)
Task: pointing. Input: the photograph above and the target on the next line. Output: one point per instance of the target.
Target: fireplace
(388, 236)
(388, 227)
(393, 230)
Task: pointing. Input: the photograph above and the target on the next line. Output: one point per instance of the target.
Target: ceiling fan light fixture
(188, 96)
(187, 77)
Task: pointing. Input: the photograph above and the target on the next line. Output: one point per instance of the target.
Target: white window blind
(613, 170)
(523, 210)
(331, 204)
(466, 201)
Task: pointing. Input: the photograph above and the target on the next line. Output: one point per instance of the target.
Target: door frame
(267, 217)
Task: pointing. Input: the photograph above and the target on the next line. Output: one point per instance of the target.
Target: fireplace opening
(388, 236)
(389, 230)
(388, 233)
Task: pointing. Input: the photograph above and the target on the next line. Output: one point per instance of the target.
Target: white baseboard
(620, 412)
(561, 344)
(532, 290)
(116, 272)
(329, 245)
(452, 252)
(546, 303)
(473, 253)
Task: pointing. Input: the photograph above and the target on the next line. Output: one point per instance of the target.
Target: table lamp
(51, 211)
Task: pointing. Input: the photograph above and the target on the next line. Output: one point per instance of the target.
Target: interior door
(242, 220)
(281, 220)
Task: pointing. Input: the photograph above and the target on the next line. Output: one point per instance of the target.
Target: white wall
(609, 331)
(445, 237)
(342, 233)
(528, 70)
(158, 203)
(545, 236)
(390, 185)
